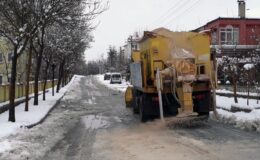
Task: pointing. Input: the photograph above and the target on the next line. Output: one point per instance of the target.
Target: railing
(20, 89)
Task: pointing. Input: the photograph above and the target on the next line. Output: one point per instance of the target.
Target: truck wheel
(204, 114)
(143, 116)
(136, 106)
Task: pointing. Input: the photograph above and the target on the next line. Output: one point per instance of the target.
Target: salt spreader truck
(174, 70)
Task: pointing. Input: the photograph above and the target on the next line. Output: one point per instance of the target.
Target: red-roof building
(234, 36)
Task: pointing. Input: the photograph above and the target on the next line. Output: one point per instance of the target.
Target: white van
(116, 78)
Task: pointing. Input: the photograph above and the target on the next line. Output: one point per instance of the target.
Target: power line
(178, 9)
(163, 15)
(169, 11)
(181, 14)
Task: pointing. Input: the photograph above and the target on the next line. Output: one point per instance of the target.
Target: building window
(1, 57)
(214, 37)
(10, 57)
(229, 35)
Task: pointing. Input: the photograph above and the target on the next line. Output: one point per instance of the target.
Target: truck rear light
(156, 99)
(200, 97)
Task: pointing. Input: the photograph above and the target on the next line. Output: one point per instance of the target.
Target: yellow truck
(178, 65)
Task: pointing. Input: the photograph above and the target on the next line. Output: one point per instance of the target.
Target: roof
(226, 18)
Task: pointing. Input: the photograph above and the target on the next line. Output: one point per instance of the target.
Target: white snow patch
(93, 122)
(227, 102)
(249, 66)
(90, 101)
(239, 93)
(243, 120)
(5, 145)
(227, 82)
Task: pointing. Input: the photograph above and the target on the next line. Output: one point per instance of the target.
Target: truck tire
(142, 114)
(136, 105)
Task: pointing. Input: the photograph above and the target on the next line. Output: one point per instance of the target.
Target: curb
(47, 114)
(5, 107)
(43, 119)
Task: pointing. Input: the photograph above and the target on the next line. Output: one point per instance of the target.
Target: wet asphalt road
(106, 130)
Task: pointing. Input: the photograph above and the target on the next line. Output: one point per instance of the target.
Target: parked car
(107, 76)
(116, 78)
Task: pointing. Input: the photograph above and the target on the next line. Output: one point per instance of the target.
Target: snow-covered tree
(229, 66)
(22, 21)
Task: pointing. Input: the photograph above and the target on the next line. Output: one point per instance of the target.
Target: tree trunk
(28, 68)
(37, 71)
(53, 73)
(36, 80)
(12, 87)
(235, 88)
(63, 79)
(61, 71)
(45, 81)
(248, 93)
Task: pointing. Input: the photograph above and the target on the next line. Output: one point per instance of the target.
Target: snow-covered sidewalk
(35, 114)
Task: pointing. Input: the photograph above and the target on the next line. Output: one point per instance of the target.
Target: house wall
(249, 29)
(5, 66)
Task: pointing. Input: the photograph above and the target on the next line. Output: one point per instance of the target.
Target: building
(234, 36)
(6, 63)
(131, 45)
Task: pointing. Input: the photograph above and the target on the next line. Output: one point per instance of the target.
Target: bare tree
(17, 26)
(21, 20)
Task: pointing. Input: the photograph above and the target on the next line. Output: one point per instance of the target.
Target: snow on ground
(93, 122)
(120, 87)
(239, 93)
(35, 114)
(226, 103)
(34, 143)
(241, 119)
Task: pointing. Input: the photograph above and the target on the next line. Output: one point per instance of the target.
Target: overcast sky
(124, 17)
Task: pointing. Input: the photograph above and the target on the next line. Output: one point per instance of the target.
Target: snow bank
(4, 145)
(245, 120)
(239, 93)
(35, 114)
(119, 87)
(227, 102)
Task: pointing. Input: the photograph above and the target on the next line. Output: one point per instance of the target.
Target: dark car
(107, 76)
